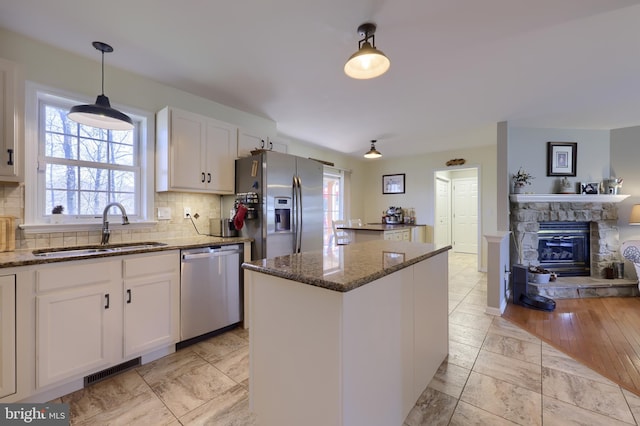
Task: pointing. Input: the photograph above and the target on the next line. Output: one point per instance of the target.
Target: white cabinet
(249, 140)
(11, 119)
(194, 153)
(7, 335)
(94, 314)
(152, 295)
(78, 314)
(398, 235)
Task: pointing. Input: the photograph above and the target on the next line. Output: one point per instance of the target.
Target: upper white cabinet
(194, 153)
(249, 140)
(11, 121)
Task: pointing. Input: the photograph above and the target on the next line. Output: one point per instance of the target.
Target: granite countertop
(26, 257)
(345, 268)
(380, 226)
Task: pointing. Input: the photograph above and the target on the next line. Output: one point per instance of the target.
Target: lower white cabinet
(151, 308)
(78, 313)
(7, 335)
(93, 314)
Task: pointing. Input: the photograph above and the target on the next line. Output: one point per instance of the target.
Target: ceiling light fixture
(367, 62)
(373, 152)
(101, 114)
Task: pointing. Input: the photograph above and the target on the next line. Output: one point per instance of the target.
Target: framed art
(589, 187)
(561, 158)
(393, 184)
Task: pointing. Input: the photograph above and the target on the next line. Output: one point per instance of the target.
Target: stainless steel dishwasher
(210, 289)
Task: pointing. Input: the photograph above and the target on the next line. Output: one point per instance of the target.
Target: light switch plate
(164, 213)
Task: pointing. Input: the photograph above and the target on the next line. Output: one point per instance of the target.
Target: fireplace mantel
(566, 198)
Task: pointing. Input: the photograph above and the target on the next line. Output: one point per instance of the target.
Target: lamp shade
(373, 152)
(100, 115)
(367, 62)
(634, 219)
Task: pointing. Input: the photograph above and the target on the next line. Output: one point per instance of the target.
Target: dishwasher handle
(211, 253)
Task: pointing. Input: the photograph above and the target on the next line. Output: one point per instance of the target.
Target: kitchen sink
(94, 250)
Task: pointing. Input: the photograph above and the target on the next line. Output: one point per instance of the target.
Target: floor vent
(111, 371)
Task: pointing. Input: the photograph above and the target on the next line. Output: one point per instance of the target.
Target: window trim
(33, 222)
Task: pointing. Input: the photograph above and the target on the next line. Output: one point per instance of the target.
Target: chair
(340, 236)
(355, 222)
(631, 251)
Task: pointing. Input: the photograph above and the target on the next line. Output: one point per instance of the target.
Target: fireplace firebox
(563, 248)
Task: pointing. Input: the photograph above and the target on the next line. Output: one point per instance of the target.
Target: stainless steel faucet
(105, 222)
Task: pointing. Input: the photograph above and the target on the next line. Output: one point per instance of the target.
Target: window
(84, 168)
(335, 208)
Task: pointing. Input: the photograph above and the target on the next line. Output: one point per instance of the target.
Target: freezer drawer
(210, 296)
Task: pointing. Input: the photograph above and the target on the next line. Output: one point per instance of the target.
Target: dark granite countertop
(380, 226)
(26, 257)
(345, 268)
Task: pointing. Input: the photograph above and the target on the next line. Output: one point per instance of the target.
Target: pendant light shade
(367, 62)
(373, 152)
(101, 114)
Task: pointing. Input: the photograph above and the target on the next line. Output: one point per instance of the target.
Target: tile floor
(496, 374)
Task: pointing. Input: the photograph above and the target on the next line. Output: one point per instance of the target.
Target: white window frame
(36, 222)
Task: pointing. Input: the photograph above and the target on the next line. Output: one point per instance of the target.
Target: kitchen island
(385, 231)
(346, 336)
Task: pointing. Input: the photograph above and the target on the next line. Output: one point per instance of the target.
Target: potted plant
(57, 214)
(521, 179)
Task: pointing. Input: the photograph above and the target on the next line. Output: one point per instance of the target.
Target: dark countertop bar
(346, 267)
(26, 257)
(380, 227)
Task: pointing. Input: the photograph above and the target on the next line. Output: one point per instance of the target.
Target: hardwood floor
(602, 333)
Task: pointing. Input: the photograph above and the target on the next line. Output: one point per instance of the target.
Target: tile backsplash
(205, 205)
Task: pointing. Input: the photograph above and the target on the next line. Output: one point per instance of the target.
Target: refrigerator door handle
(299, 218)
(294, 214)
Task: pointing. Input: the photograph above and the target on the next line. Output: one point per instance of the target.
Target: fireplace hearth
(598, 212)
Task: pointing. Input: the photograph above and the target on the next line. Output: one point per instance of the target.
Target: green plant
(57, 210)
(522, 178)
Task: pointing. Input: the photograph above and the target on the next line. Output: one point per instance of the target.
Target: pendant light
(367, 62)
(101, 114)
(373, 152)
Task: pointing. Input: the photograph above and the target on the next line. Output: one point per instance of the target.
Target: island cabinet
(7, 335)
(11, 121)
(94, 314)
(346, 343)
(194, 153)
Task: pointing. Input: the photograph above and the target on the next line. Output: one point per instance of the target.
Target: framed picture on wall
(393, 184)
(561, 158)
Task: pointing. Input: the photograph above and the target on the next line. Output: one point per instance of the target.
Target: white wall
(527, 148)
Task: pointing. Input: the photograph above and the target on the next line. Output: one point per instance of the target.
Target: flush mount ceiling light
(101, 114)
(373, 152)
(367, 62)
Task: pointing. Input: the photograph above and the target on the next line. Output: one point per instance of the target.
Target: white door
(465, 215)
(442, 226)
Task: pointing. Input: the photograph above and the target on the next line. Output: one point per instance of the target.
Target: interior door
(465, 215)
(442, 229)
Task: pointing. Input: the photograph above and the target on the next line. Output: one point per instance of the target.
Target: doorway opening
(457, 210)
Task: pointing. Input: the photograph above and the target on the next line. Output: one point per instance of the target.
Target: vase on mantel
(517, 189)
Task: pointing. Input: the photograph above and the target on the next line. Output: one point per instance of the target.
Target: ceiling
(457, 66)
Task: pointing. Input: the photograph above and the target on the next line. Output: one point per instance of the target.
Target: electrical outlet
(164, 213)
(187, 212)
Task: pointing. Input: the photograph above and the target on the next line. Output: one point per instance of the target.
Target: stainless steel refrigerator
(286, 216)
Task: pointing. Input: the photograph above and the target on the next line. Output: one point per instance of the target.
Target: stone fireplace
(600, 211)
